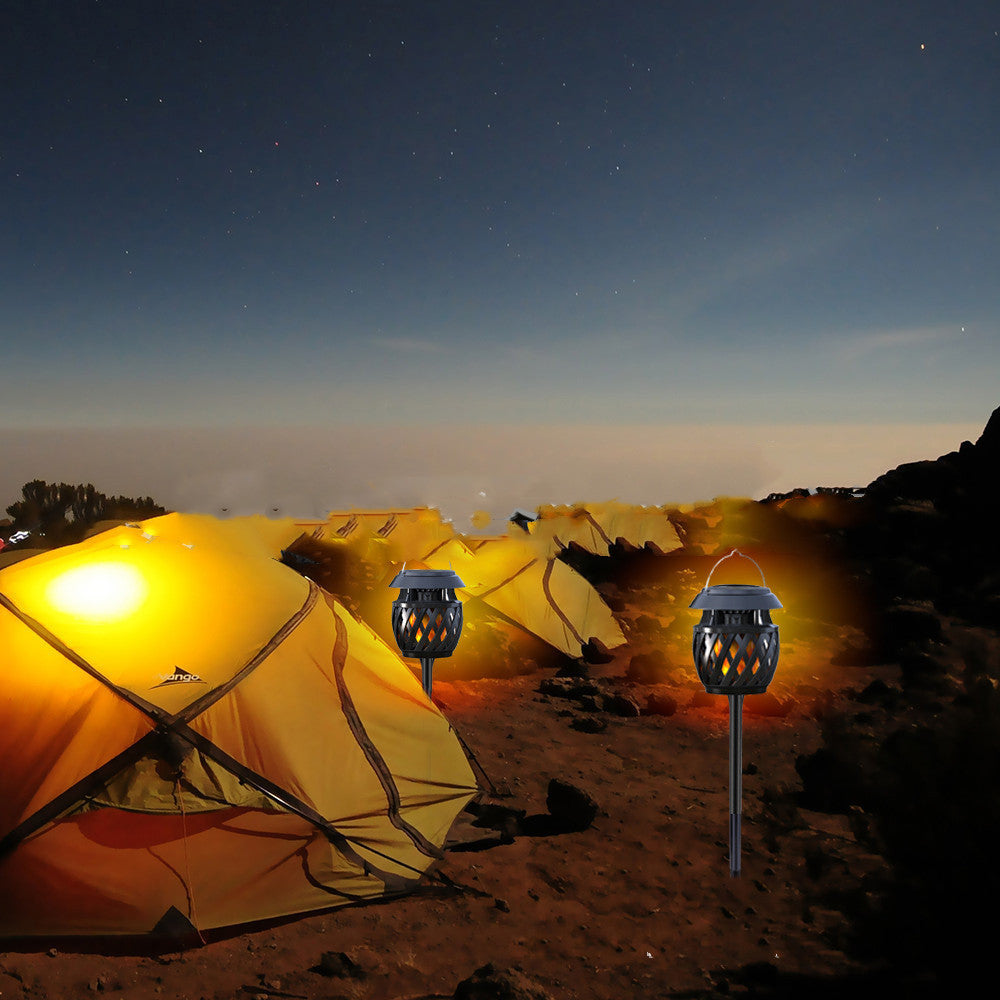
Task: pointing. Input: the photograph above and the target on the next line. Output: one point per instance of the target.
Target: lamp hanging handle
(742, 555)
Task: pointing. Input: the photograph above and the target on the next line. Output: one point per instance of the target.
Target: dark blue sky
(318, 213)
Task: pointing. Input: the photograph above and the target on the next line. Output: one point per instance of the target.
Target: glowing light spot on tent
(103, 592)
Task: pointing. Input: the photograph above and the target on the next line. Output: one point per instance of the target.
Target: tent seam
(503, 583)
(368, 748)
(555, 607)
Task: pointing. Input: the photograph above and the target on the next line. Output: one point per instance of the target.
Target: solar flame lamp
(427, 616)
(735, 649)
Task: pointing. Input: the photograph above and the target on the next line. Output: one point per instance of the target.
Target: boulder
(660, 703)
(338, 965)
(905, 623)
(595, 651)
(571, 807)
(621, 704)
(648, 668)
(491, 982)
(588, 724)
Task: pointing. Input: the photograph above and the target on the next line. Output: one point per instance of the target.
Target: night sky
(324, 214)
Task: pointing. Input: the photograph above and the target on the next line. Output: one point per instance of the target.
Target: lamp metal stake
(735, 780)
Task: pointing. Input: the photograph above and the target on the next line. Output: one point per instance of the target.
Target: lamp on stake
(427, 616)
(735, 649)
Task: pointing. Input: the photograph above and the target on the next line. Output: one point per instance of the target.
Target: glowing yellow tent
(405, 531)
(544, 596)
(514, 574)
(596, 527)
(191, 732)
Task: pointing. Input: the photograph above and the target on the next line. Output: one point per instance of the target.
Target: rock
(614, 601)
(755, 974)
(822, 705)
(588, 724)
(622, 705)
(986, 611)
(660, 703)
(909, 622)
(493, 983)
(502, 905)
(878, 693)
(574, 668)
(595, 651)
(648, 668)
(920, 667)
(924, 480)
(702, 699)
(557, 687)
(818, 863)
(593, 702)
(571, 807)
(830, 783)
(104, 984)
(568, 687)
(338, 965)
(649, 627)
(988, 445)
(493, 816)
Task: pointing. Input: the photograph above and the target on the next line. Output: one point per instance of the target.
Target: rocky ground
(597, 868)
(620, 888)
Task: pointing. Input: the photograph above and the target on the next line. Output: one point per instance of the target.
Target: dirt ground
(639, 904)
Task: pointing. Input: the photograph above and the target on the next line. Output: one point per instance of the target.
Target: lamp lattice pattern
(735, 652)
(426, 627)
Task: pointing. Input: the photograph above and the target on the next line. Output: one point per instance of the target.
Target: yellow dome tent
(193, 734)
(544, 596)
(597, 527)
(515, 574)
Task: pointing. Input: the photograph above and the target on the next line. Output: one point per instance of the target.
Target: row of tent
(518, 574)
(195, 735)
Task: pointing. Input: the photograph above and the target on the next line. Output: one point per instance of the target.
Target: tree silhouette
(60, 514)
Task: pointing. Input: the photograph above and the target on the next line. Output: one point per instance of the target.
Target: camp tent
(193, 734)
(544, 596)
(597, 527)
(513, 574)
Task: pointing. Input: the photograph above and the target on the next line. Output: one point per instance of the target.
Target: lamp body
(735, 645)
(427, 616)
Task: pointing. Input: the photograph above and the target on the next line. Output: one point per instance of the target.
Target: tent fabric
(596, 527)
(513, 574)
(544, 596)
(186, 723)
(406, 532)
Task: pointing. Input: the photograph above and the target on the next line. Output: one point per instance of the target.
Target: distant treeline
(62, 513)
